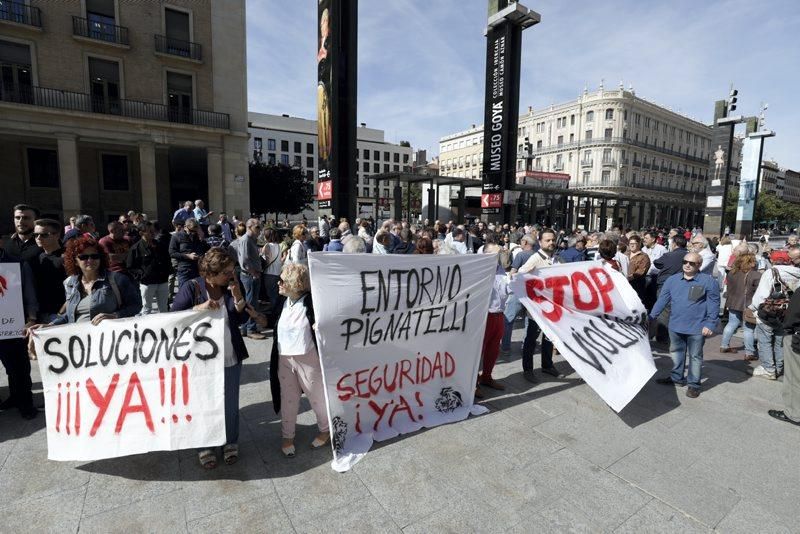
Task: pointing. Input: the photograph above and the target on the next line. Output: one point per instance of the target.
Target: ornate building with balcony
(111, 105)
(631, 162)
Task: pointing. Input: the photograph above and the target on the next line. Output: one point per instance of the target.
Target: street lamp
(732, 121)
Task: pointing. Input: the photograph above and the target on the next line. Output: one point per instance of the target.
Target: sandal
(317, 443)
(781, 416)
(230, 453)
(288, 450)
(207, 459)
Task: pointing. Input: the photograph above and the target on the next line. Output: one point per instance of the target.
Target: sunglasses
(687, 262)
(87, 257)
(44, 234)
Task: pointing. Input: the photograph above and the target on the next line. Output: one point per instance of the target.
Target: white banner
(596, 321)
(133, 385)
(400, 341)
(12, 314)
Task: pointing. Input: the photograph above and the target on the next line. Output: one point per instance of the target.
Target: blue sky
(421, 64)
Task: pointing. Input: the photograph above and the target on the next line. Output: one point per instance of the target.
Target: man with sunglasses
(48, 270)
(694, 300)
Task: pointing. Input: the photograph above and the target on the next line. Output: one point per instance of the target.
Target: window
(297, 161)
(297, 147)
(560, 139)
(395, 168)
(588, 135)
(15, 72)
(607, 133)
(376, 167)
(115, 172)
(271, 159)
(572, 120)
(365, 191)
(571, 138)
(284, 159)
(285, 146)
(609, 114)
(559, 159)
(589, 116)
(587, 155)
(385, 193)
(365, 166)
(386, 167)
(178, 31)
(309, 162)
(270, 144)
(586, 175)
(539, 144)
(606, 155)
(376, 156)
(366, 180)
(625, 114)
(104, 76)
(405, 158)
(386, 156)
(366, 154)
(309, 148)
(606, 178)
(101, 20)
(257, 143)
(42, 167)
(180, 97)
(397, 157)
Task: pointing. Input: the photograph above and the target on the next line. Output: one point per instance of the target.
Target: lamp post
(732, 121)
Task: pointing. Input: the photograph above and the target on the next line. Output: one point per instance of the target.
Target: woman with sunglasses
(215, 288)
(93, 293)
(294, 365)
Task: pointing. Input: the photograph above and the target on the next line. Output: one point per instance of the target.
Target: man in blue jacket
(694, 300)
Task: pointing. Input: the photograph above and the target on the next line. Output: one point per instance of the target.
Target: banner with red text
(400, 342)
(133, 385)
(12, 314)
(596, 321)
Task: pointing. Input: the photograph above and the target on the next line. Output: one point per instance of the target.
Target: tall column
(147, 176)
(216, 181)
(641, 223)
(603, 215)
(69, 172)
(615, 214)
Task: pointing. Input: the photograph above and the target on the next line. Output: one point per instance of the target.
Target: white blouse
(294, 331)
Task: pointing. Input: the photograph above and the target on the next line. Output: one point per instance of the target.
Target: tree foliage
(279, 189)
(768, 208)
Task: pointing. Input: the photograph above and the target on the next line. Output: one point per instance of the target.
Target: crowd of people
(257, 272)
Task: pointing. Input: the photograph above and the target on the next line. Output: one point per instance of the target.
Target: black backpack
(773, 310)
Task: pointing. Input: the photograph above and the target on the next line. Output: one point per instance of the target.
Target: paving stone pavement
(549, 457)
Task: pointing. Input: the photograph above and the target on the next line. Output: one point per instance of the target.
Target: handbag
(773, 309)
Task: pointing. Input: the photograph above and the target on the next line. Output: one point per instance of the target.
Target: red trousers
(495, 324)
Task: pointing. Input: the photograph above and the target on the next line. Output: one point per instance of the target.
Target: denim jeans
(270, 282)
(532, 331)
(233, 375)
(684, 346)
(251, 285)
(154, 298)
(513, 307)
(770, 347)
(734, 321)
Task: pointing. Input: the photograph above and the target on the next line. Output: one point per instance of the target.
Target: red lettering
(345, 392)
(556, 284)
(373, 389)
(437, 366)
(449, 365)
(532, 287)
(128, 408)
(379, 411)
(390, 386)
(579, 278)
(604, 286)
(401, 406)
(405, 367)
(101, 400)
(359, 382)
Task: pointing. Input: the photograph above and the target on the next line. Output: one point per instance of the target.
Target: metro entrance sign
(324, 193)
(491, 200)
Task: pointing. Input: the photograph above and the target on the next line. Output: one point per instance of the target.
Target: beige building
(791, 191)
(642, 162)
(772, 179)
(281, 139)
(110, 105)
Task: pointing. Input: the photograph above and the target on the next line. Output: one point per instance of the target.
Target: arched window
(609, 114)
(589, 116)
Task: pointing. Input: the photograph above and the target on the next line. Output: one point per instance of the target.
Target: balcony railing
(608, 162)
(587, 162)
(177, 47)
(558, 167)
(615, 141)
(70, 101)
(20, 13)
(100, 31)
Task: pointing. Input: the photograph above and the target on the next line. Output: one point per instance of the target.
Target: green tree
(768, 208)
(279, 189)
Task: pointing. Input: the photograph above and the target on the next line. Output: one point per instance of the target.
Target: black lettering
(349, 324)
(50, 351)
(178, 344)
(364, 290)
(198, 336)
(105, 361)
(73, 340)
(122, 334)
(146, 358)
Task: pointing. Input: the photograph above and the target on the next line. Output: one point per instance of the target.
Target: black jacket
(791, 321)
(48, 277)
(180, 246)
(274, 383)
(669, 264)
(149, 264)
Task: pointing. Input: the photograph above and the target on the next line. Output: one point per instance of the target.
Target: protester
(791, 353)
(769, 304)
(225, 226)
(186, 248)
(214, 237)
(607, 251)
(116, 245)
(335, 243)
(273, 264)
(216, 288)
(638, 266)
(249, 259)
(693, 298)
(575, 251)
(354, 245)
(294, 363)
(47, 270)
(654, 251)
(742, 282)
(200, 214)
(185, 212)
(424, 246)
(84, 224)
(148, 263)
(22, 245)
(313, 241)
(701, 246)
(297, 252)
(494, 326)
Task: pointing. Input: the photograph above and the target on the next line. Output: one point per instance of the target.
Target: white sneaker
(763, 373)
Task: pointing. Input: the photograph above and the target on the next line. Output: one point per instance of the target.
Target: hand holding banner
(133, 385)
(596, 321)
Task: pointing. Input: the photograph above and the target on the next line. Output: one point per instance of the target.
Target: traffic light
(732, 101)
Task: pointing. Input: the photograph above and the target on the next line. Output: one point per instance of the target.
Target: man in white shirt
(653, 251)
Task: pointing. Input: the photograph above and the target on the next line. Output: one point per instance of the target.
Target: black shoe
(530, 377)
(8, 404)
(692, 393)
(668, 381)
(781, 416)
(552, 371)
(28, 413)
